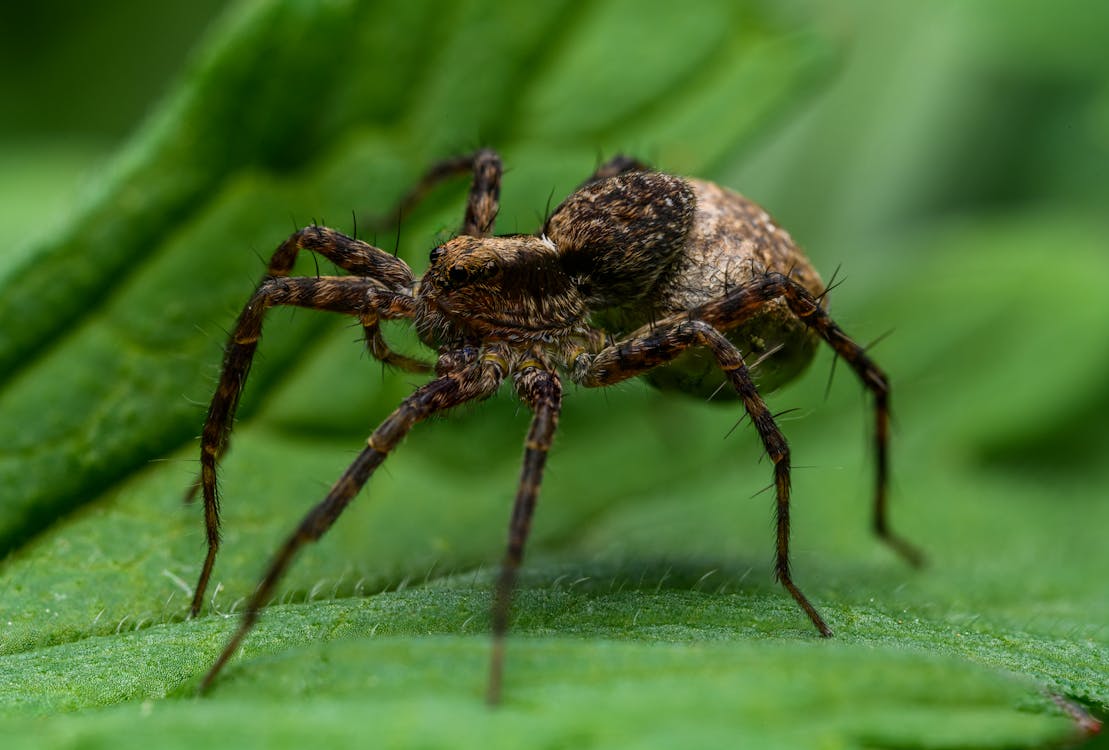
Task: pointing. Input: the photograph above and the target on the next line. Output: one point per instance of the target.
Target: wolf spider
(636, 273)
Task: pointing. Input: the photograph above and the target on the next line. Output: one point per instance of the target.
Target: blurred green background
(76, 79)
(950, 158)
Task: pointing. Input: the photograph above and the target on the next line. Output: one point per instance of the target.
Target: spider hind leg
(668, 340)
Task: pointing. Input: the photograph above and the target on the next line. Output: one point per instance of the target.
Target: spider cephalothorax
(479, 289)
(635, 273)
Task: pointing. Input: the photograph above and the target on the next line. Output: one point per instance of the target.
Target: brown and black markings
(636, 273)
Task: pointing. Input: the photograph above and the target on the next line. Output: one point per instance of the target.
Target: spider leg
(388, 306)
(351, 295)
(353, 256)
(361, 259)
(477, 381)
(482, 206)
(358, 258)
(542, 391)
(485, 193)
(375, 342)
(736, 307)
(618, 164)
(667, 340)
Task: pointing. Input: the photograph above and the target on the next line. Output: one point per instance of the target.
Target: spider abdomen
(729, 242)
(734, 242)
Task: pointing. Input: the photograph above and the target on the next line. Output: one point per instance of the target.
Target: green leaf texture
(646, 616)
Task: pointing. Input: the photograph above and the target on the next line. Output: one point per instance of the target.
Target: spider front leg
(667, 340)
(485, 190)
(351, 255)
(541, 389)
(475, 381)
(737, 307)
(351, 295)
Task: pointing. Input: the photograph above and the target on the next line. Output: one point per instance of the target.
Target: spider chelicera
(636, 273)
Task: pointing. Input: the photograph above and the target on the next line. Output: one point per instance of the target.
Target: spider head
(496, 287)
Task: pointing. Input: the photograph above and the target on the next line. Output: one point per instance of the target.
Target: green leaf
(646, 615)
(272, 129)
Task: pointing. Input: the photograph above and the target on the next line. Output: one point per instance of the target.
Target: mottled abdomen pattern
(730, 241)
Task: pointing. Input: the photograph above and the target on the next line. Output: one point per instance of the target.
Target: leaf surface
(646, 615)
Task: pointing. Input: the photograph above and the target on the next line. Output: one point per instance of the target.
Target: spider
(637, 272)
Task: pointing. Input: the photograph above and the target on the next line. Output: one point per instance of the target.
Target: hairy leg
(351, 295)
(357, 258)
(360, 259)
(483, 203)
(667, 340)
(541, 390)
(739, 305)
(477, 381)
(485, 194)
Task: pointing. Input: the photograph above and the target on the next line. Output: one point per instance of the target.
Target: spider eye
(459, 274)
(436, 254)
